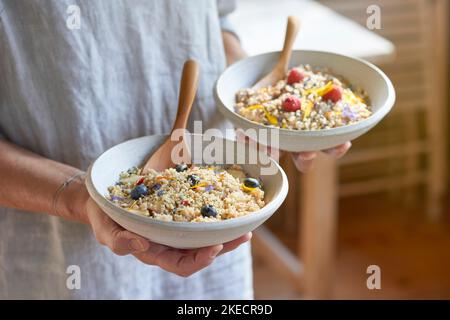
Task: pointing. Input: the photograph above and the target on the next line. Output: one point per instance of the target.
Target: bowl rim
(373, 119)
(264, 213)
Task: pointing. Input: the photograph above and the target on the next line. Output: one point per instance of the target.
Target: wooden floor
(413, 254)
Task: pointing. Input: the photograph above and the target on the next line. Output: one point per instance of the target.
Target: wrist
(233, 48)
(71, 202)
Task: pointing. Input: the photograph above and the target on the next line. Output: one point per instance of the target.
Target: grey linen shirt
(71, 93)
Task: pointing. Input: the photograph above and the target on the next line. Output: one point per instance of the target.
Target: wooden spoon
(280, 69)
(162, 158)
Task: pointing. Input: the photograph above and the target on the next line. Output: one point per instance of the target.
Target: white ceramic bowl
(105, 171)
(245, 73)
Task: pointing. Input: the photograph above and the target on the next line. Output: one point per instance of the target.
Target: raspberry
(334, 95)
(291, 104)
(295, 76)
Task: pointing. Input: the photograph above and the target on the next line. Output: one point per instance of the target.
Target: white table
(261, 26)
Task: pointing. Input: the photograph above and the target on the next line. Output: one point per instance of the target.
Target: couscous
(306, 99)
(188, 193)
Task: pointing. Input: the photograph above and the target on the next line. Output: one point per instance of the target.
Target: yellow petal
(158, 178)
(308, 105)
(319, 91)
(141, 212)
(325, 89)
(255, 107)
(352, 98)
(133, 204)
(360, 99)
(202, 184)
(272, 119)
(247, 189)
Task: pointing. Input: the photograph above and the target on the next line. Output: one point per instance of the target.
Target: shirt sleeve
(2, 6)
(225, 7)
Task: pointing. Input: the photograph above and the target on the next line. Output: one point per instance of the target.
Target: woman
(68, 92)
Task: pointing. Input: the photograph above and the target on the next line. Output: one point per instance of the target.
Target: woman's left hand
(304, 160)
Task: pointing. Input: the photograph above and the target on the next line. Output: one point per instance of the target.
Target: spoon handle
(293, 26)
(188, 89)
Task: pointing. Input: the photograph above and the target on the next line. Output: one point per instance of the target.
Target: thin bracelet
(63, 186)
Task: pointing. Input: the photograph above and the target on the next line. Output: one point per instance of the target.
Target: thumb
(123, 242)
(110, 234)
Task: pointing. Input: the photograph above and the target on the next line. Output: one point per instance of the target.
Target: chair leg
(435, 21)
(436, 180)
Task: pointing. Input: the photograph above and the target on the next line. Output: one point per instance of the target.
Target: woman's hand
(304, 160)
(122, 242)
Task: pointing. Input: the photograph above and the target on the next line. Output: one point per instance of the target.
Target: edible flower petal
(255, 107)
(272, 119)
(308, 107)
(201, 184)
(319, 91)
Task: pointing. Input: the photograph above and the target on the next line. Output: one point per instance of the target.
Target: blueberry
(252, 183)
(139, 191)
(181, 167)
(156, 186)
(208, 211)
(132, 170)
(193, 179)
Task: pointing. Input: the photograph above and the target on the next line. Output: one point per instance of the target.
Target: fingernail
(137, 245)
(342, 150)
(333, 152)
(307, 155)
(216, 251)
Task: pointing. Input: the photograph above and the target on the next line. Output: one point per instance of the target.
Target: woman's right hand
(123, 242)
(32, 183)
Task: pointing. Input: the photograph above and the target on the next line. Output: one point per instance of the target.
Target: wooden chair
(405, 151)
(415, 131)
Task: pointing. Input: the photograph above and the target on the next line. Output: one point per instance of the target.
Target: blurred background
(385, 206)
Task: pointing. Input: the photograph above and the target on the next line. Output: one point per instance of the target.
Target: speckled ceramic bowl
(359, 73)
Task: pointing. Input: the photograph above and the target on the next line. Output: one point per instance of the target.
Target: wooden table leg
(318, 227)
(436, 33)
